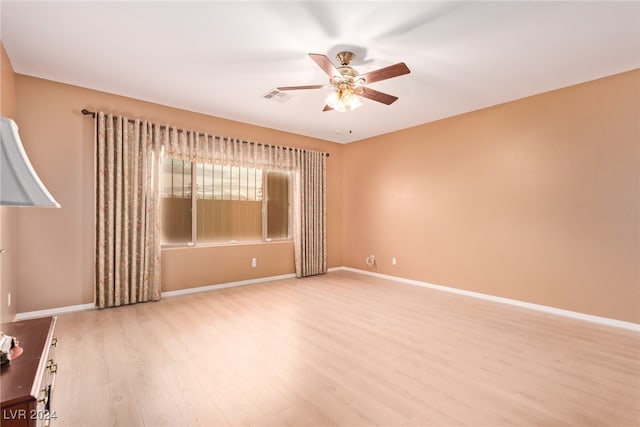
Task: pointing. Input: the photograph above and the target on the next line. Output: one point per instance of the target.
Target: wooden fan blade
(386, 73)
(300, 87)
(327, 108)
(376, 95)
(325, 63)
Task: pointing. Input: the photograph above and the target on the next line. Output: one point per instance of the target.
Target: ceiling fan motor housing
(348, 79)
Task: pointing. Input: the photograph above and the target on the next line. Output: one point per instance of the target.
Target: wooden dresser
(27, 382)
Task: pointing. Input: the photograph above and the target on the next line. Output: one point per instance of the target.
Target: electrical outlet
(394, 261)
(9, 299)
(254, 262)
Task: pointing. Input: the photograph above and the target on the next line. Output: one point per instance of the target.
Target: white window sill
(223, 244)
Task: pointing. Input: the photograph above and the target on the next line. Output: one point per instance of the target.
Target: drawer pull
(51, 367)
(44, 399)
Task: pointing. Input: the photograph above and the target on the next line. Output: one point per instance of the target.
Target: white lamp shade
(19, 182)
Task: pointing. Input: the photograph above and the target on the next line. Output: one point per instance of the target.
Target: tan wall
(7, 86)
(55, 265)
(535, 200)
(8, 236)
(182, 267)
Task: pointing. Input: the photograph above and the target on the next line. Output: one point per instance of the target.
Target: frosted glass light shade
(19, 182)
(343, 101)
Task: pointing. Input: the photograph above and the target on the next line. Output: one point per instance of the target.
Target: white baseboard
(83, 307)
(206, 288)
(553, 310)
(53, 311)
(558, 311)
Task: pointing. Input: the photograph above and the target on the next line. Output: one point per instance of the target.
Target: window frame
(263, 211)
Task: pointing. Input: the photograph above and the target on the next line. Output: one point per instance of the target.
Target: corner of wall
(8, 235)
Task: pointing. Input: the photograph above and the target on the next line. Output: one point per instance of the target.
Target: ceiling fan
(349, 84)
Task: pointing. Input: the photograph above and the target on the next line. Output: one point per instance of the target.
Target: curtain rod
(93, 114)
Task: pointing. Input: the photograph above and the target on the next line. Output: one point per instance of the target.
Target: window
(229, 203)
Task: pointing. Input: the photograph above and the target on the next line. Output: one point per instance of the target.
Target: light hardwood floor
(341, 349)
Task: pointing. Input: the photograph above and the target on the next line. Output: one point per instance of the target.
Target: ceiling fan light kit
(343, 100)
(348, 84)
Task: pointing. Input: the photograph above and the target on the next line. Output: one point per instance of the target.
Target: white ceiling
(220, 58)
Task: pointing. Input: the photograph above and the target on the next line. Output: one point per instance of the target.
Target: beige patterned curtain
(309, 189)
(197, 147)
(127, 195)
(310, 224)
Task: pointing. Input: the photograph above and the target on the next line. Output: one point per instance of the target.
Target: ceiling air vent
(278, 96)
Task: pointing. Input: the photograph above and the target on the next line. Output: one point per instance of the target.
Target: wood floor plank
(341, 349)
